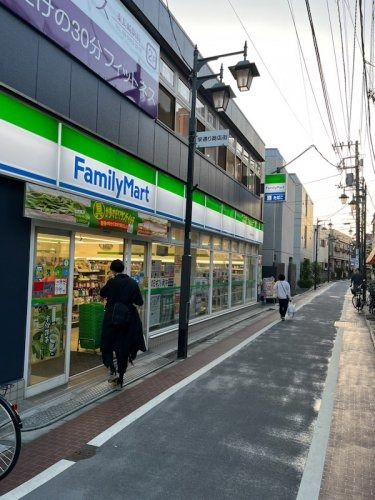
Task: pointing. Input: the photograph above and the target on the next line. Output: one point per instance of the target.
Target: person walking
(282, 292)
(124, 339)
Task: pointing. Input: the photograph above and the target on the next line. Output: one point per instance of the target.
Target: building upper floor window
(199, 108)
(166, 107)
(211, 118)
(166, 72)
(182, 120)
(183, 90)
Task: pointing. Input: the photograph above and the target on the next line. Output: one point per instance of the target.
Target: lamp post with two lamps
(243, 72)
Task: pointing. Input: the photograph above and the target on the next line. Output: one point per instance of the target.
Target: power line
(321, 73)
(353, 67)
(174, 36)
(337, 71)
(306, 67)
(343, 60)
(266, 67)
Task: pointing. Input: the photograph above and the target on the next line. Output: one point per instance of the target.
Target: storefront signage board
(50, 204)
(104, 36)
(32, 149)
(275, 188)
(83, 174)
(212, 138)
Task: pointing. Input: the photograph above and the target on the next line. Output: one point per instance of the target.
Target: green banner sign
(49, 204)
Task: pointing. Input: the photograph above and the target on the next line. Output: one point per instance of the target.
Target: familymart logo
(110, 180)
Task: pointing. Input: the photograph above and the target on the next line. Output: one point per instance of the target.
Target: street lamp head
(343, 198)
(244, 72)
(220, 94)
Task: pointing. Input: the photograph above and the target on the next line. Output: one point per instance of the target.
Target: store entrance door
(139, 272)
(49, 316)
(92, 258)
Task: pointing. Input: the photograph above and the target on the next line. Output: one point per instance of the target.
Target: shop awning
(371, 258)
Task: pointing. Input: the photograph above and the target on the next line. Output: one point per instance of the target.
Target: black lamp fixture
(343, 198)
(244, 72)
(220, 93)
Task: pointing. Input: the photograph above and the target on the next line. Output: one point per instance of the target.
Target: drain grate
(83, 397)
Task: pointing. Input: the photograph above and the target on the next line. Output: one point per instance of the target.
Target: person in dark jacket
(125, 340)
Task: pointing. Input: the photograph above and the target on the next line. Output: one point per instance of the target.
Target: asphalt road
(240, 431)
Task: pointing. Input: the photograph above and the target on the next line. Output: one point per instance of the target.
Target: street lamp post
(243, 72)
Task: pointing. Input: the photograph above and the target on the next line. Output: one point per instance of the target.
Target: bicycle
(371, 299)
(10, 435)
(357, 299)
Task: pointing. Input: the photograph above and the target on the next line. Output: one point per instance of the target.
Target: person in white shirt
(282, 292)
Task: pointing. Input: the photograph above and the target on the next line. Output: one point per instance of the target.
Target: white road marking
(312, 475)
(37, 481)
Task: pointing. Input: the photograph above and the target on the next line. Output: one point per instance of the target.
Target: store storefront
(90, 203)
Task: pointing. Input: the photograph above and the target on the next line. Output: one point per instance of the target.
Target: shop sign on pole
(104, 36)
(212, 138)
(275, 188)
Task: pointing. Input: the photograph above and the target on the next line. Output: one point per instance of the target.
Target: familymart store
(90, 203)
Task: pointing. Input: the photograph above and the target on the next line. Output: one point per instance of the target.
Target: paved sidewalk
(349, 471)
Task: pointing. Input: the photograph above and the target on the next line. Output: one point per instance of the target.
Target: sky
(280, 104)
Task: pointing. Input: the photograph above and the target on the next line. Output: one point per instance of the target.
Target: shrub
(306, 280)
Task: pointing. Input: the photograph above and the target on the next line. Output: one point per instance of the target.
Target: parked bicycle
(371, 298)
(10, 434)
(358, 299)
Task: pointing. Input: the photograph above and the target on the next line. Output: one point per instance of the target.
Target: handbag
(120, 314)
(291, 309)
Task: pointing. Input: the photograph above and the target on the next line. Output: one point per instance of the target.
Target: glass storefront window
(238, 276)
(177, 234)
(182, 120)
(226, 244)
(138, 272)
(200, 283)
(205, 240)
(49, 307)
(251, 270)
(195, 238)
(234, 246)
(220, 281)
(165, 285)
(216, 243)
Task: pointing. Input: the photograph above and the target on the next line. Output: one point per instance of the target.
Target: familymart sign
(275, 188)
(37, 148)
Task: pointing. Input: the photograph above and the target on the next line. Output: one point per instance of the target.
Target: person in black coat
(125, 340)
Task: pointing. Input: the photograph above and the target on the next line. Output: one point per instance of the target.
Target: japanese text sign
(275, 187)
(212, 138)
(104, 36)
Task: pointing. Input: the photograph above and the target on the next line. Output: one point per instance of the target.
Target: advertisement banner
(49, 204)
(104, 36)
(275, 187)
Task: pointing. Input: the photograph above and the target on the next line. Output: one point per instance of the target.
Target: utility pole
(357, 209)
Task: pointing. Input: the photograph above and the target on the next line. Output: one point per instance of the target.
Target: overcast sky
(291, 121)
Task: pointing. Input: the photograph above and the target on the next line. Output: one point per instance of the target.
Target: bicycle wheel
(10, 438)
(356, 302)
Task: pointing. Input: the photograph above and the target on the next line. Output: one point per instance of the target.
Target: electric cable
(307, 70)
(266, 67)
(345, 119)
(322, 78)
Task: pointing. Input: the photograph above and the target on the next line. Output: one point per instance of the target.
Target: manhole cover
(85, 452)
